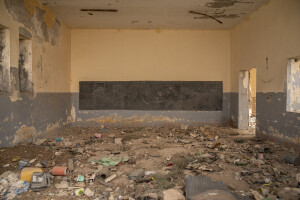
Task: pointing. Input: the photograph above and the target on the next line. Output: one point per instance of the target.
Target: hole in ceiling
(98, 10)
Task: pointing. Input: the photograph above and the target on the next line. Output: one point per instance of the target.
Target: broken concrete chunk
(89, 192)
(39, 141)
(256, 195)
(184, 127)
(62, 185)
(214, 195)
(173, 194)
(118, 141)
(292, 159)
(112, 177)
(289, 193)
(298, 177)
(68, 144)
(71, 164)
(150, 196)
(139, 173)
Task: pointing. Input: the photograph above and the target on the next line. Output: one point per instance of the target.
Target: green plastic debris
(80, 178)
(241, 163)
(111, 161)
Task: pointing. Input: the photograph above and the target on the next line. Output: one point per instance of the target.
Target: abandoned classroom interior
(199, 70)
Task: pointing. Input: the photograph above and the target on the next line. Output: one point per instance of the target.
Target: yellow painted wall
(51, 68)
(272, 32)
(55, 74)
(154, 55)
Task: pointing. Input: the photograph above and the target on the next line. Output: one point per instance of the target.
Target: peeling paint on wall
(4, 60)
(40, 20)
(133, 119)
(25, 66)
(14, 80)
(73, 113)
(49, 16)
(275, 133)
(24, 133)
(293, 85)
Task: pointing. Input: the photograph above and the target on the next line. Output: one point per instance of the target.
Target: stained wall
(46, 106)
(266, 40)
(150, 55)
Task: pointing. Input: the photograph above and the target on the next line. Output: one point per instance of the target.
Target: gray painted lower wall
(29, 117)
(274, 121)
(152, 118)
(234, 109)
(24, 119)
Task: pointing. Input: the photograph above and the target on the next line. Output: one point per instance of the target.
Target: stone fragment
(173, 194)
(256, 195)
(289, 193)
(89, 192)
(139, 173)
(118, 141)
(150, 196)
(62, 185)
(112, 177)
(71, 164)
(184, 127)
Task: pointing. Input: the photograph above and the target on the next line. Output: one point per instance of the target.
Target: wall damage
(293, 85)
(34, 88)
(37, 18)
(4, 59)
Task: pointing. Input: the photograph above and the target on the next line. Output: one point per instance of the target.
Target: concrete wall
(47, 105)
(150, 55)
(266, 40)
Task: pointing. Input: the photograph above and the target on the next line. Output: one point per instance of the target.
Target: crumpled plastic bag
(111, 161)
(11, 186)
(21, 186)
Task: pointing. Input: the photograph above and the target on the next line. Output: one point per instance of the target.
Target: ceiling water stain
(224, 3)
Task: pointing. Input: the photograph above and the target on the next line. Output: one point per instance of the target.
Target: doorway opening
(247, 100)
(252, 98)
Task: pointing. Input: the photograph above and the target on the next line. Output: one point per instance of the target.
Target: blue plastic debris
(23, 163)
(22, 189)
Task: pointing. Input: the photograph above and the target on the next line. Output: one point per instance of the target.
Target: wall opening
(4, 59)
(252, 98)
(293, 85)
(25, 65)
(247, 100)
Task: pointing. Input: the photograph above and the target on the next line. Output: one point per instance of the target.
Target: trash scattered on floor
(150, 163)
(11, 186)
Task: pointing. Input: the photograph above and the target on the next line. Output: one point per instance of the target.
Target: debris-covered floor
(152, 163)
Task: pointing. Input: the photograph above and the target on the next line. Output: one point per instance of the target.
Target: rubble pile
(149, 163)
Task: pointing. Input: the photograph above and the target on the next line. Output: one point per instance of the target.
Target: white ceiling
(153, 14)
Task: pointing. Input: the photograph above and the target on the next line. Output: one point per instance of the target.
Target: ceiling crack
(198, 13)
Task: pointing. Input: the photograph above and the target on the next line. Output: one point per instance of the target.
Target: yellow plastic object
(26, 173)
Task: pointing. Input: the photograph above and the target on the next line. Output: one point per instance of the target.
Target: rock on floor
(173, 194)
